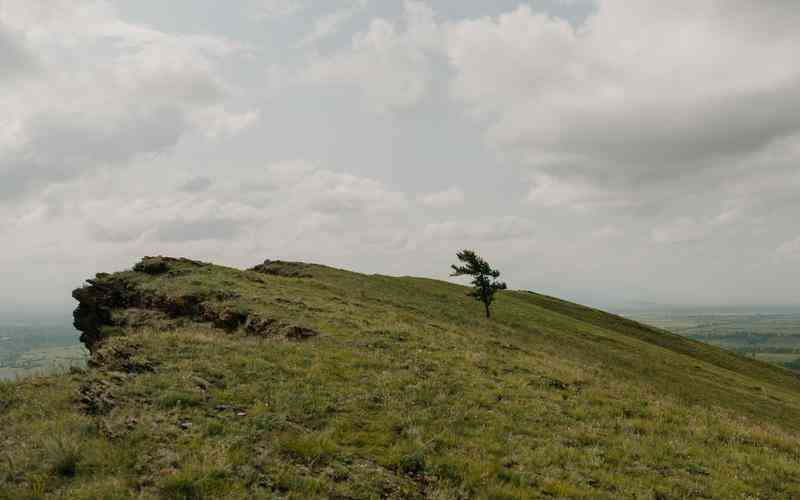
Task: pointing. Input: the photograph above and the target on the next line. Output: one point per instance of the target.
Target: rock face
(96, 303)
(110, 303)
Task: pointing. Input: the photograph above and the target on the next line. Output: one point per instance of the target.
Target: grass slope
(408, 392)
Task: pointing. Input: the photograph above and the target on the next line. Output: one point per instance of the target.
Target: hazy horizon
(606, 152)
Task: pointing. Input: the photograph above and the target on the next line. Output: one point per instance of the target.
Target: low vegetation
(301, 381)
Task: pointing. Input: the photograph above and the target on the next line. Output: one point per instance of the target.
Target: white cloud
(449, 198)
(611, 113)
(643, 92)
(168, 217)
(284, 203)
(80, 112)
(331, 192)
(390, 64)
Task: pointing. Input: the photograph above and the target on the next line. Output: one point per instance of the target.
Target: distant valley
(31, 348)
(772, 335)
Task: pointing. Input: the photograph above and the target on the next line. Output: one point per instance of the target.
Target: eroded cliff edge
(111, 303)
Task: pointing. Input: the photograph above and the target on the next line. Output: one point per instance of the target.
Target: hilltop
(294, 380)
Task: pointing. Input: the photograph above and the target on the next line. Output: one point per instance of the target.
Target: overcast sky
(608, 151)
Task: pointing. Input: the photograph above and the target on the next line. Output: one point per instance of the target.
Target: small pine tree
(484, 277)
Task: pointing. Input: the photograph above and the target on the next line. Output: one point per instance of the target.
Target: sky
(610, 152)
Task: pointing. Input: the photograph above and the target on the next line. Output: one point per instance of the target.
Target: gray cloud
(77, 115)
(649, 136)
(197, 185)
(672, 97)
(15, 59)
(62, 147)
(113, 234)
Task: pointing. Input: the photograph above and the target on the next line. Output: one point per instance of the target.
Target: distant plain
(31, 348)
(769, 335)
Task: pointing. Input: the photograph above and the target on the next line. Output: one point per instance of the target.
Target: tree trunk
(488, 314)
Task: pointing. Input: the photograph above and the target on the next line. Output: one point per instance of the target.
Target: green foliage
(484, 278)
(404, 394)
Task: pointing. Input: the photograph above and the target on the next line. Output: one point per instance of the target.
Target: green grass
(408, 392)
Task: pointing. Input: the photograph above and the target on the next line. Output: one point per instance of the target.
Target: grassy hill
(301, 381)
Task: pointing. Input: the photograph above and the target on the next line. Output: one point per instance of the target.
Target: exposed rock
(139, 318)
(161, 265)
(152, 265)
(230, 319)
(262, 327)
(95, 304)
(300, 333)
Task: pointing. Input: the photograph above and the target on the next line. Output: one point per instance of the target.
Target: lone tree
(484, 277)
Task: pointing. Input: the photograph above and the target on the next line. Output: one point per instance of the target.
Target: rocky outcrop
(161, 265)
(111, 303)
(96, 303)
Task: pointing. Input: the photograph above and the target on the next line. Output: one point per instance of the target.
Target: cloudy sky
(607, 151)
